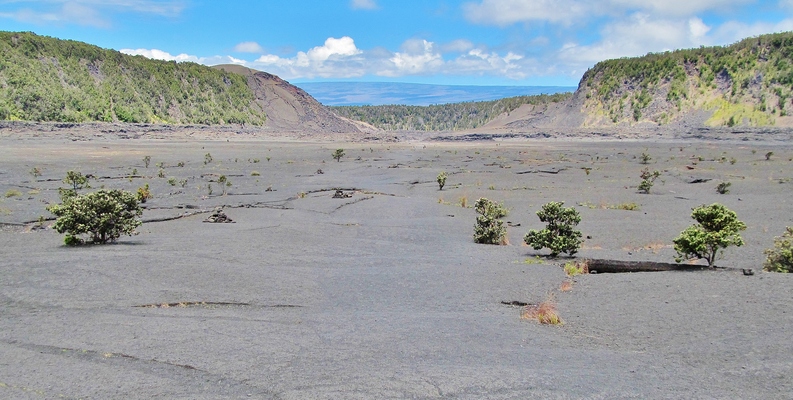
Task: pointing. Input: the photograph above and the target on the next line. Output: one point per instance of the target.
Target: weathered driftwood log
(617, 266)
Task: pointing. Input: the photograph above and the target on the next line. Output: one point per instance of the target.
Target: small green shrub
(207, 158)
(35, 171)
(146, 161)
(13, 193)
(337, 155)
(255, 173)
(161, 173)
(559, 234)
(648, 180)
(717, 227)
(77, 180)
(780, 257)
(442, 180)
(224, 183)
(489, 228)
(645, 158)
(723, 187)
(172, 181)
(768, 155)
(103, 215)
(143, 193)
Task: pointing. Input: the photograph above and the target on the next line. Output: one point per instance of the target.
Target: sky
(466, 42)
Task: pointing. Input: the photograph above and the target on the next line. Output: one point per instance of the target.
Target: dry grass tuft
(574, 268)
(463, 202)
(544, 313)
(566, 286)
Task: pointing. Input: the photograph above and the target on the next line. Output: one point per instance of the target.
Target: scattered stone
(218, 216)
(515, 303)
(341, 195)
(747, 271)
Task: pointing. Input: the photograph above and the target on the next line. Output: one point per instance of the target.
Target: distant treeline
(47, 79)
(443, 117)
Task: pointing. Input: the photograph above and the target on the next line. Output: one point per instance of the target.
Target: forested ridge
(47, 79)
(443, 117)
(749, 82)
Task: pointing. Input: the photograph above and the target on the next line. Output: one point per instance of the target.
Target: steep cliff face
(749, 83)
(289, 108)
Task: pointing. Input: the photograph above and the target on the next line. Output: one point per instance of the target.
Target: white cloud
(157, 54)
(416, 58)
(566, 12)
(676, 8)
(363, 4)
(636, 36)
(344, 46)
(248, 47)
(456, 46)
(507, 12)
(93, 13)
(733, 31)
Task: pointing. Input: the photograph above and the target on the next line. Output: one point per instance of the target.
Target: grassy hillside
(749, 83)
(46, 79)
(444, 117)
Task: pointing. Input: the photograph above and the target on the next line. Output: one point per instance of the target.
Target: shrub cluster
(780, 257)
(717, 227)
(559, 235)
(489, 228)
(103, 215)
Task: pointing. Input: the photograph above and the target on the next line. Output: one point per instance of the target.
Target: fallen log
(617, 266)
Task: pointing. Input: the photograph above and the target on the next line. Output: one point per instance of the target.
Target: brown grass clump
(544, 313)
(566, 286)
(574, 268)
(463, 202)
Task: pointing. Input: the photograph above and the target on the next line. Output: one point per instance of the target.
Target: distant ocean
(380, 93)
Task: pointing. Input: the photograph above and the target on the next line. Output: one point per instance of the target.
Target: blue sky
(468, 42)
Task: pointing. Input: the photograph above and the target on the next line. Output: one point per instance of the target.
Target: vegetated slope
(47, 79)
(747, 83)
(444, 117)
(288, 107)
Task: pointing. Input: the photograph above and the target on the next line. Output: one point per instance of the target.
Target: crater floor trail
(381, 292)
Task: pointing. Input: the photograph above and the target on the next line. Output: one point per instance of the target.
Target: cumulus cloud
(676, 8)
(95, 13)
(507, 12)
(363, 4)
(340, 58)
(566, 12)
(157, 54)
(344, 46)
(635, 36)
(248, 47)
(732, 31)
